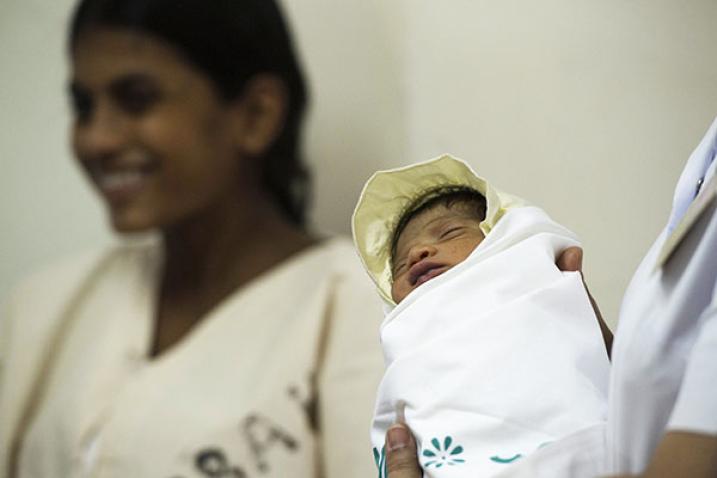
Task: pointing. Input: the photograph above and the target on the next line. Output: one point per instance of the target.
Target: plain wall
(586, 108)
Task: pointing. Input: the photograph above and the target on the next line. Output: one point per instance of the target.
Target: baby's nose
(420, 252)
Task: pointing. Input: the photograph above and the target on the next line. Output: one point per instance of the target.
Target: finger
(604, 328)
(570, 260)
(401, 453)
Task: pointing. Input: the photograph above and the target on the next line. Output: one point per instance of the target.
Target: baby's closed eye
(451, 232)
(399, 268)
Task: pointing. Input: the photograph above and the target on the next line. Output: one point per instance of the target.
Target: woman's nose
(420, 252)
(101, 135)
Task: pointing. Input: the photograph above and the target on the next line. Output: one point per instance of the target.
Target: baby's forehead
(441, 210)
(429, 215)
(434, 216)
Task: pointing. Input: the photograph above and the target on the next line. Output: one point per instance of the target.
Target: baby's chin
(399, 295)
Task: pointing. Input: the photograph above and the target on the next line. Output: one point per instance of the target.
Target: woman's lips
(425, 271)
(121, 179)
(120, 186)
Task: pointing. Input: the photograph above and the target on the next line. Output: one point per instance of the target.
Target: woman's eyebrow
(117, 85)
(131, 80)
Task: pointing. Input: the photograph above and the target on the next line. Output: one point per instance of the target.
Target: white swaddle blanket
(495, 358)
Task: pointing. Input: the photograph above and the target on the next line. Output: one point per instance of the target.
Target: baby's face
(432, 242)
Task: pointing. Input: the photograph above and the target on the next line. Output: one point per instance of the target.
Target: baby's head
(431, 239)
(415, 222)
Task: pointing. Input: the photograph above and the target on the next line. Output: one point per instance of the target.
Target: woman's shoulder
(53, 283)
(57, 275)
(351, 285)
(340, 253)
(33, 309)
(341, 260)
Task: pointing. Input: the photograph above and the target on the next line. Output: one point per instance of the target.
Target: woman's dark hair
(230, 41)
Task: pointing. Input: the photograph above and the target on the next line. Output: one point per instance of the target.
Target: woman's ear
(260, 113)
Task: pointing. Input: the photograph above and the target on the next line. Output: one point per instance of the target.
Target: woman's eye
(135, 95)
(137, 101)
(81, 104)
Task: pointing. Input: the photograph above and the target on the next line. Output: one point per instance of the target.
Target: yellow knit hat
(391, 194)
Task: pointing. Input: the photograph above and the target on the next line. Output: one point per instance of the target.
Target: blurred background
(588, 108)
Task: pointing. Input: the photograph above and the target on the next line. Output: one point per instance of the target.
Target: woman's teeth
(119, 180)
(119, 186)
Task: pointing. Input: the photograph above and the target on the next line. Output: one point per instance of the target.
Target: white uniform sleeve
(352, 367)
(696, 406)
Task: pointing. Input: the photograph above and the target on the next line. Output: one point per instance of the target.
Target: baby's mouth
(424, 271)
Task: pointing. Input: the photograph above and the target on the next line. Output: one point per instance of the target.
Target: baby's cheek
(394, 291)
(399, 289)
(464, 249)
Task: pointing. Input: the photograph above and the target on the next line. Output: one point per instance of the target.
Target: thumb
(570, 260)
(401, 458)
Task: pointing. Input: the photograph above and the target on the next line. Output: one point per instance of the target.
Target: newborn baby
(430, 240)
(491, 351)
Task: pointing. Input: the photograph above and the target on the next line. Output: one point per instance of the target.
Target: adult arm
(679, 454)
(689, 448)
(571, 260)
(683, 454)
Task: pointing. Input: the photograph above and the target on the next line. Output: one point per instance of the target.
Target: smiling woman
(153, 135)
(238, 342)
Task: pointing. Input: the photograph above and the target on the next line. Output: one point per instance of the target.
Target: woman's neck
(210, 256)
(214, 253)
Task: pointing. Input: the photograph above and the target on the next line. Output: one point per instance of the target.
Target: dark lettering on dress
(213, 463)
(263, 435)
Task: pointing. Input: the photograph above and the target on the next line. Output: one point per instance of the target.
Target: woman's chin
(128, 223)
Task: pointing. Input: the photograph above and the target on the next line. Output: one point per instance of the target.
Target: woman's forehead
(105, 52)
